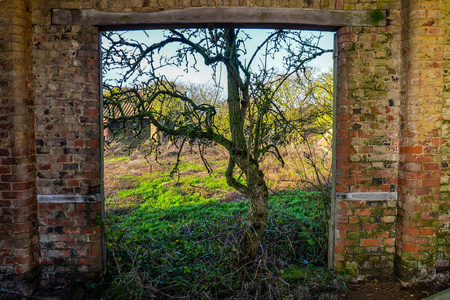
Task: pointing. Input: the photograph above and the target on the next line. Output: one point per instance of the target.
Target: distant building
(128, 129)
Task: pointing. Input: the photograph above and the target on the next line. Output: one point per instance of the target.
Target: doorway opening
(178, 188)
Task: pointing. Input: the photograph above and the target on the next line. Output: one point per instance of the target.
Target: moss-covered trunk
(258, 212)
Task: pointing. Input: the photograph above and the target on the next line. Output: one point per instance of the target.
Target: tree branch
(231, 181)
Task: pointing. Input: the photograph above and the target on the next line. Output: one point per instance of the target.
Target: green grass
(117, 159)
(159, 190)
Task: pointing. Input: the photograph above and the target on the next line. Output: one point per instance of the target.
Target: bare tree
(252, 81)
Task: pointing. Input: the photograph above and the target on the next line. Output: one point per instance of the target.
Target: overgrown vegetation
(257, 122)
(177, 237)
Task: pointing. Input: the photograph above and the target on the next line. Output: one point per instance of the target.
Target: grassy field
(177, 236)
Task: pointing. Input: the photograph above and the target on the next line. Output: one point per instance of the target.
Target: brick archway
(391, 208)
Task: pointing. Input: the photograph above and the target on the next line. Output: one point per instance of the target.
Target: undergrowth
(179, 238)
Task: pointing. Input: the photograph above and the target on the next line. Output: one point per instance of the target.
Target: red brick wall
(67, 106)
(70, 240)
(66, 70)
(392, 175)
(18, 209)
(367, 146)
(421, 130)
(443, 255)
(389, 136)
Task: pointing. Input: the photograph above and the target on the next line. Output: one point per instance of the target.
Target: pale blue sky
(324, 63)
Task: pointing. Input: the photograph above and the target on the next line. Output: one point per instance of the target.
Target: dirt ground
(389, 288)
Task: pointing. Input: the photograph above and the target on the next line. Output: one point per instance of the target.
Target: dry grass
(297, 173)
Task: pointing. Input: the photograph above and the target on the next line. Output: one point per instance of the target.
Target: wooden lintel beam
(258, 17)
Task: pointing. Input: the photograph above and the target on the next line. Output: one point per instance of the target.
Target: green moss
(351, 268)
(377, 211)
(376, 16)
(429, 223)
(353, 235)
(263, 16)
(366, 235)
(362, 257)
(367, 220)
(349, 7)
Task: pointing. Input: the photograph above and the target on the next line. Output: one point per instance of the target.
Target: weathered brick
(390, 90)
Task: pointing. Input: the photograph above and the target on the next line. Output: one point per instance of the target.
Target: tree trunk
(258, 211)
(256, 189)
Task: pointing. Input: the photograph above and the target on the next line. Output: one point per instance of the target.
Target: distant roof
(123, 109)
